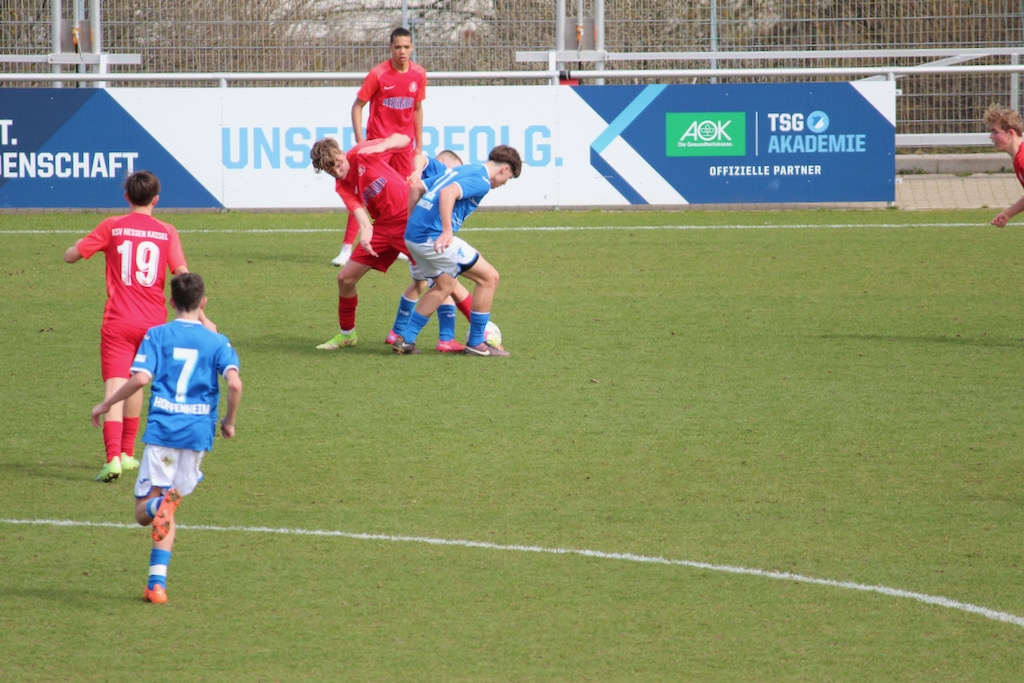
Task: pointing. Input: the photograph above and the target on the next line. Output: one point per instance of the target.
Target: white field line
(625, 557)
(557, 228)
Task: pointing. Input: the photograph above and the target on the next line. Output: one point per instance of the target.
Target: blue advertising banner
(594, 145)
(69, 147)
(747, 143)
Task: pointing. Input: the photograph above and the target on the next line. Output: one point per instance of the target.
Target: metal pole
(95, 26)
(55, 13)
(1015, 77)
(1015, 85)
(96, 35)
(405, 14)
(78, 16)
(599, 34)
(560, 30)
(714, 35)
(579, 25)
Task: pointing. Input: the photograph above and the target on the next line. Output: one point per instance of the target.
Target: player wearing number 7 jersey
(139, 250)
(184, 361)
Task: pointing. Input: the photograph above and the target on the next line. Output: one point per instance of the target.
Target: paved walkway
(916, 192)
(994, 191)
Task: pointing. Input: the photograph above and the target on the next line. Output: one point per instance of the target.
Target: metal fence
(202, 36)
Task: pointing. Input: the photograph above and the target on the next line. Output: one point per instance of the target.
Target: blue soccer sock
(405, 308)
(477, 322)
(446, 321)
(158, 561)
(416, 323)
(152, 505)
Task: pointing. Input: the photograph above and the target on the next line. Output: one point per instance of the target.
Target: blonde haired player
(1005, 129)
(372, 188)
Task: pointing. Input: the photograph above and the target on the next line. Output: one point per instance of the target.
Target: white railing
(961, 54)
(951, 63)
(223, 78)
(549, 75)
(943, 140)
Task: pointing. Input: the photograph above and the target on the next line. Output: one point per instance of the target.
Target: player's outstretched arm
(136, 382)
(445, 205)
(419, 162)
(362, 217)
(391, 142)
(357, 119)
(1005, 215)
(416, 191)
(207, 323)
(417, 122)
(72, 254)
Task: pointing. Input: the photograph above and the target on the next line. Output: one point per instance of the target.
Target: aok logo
(706, 134)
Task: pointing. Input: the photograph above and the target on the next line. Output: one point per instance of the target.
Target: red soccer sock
(347, 312)
(112, 438)
(465, 306)
(130, 429)
(351, 230)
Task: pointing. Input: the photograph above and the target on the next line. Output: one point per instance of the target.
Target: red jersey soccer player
(139, 250)
(395, 90)
(1005, 130)
(370, 187)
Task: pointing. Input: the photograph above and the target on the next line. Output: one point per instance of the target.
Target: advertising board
(594, 146)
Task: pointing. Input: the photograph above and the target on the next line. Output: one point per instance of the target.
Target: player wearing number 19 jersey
(139, 250)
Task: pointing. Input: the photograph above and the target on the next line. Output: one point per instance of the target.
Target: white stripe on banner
(596, 554)
(642, 177)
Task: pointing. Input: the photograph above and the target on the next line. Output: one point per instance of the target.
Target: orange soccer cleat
(165, 515)
(156, 595)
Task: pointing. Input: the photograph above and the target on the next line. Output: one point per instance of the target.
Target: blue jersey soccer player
(372, 189)
(430, 238)
(184, 360)
(432, 168)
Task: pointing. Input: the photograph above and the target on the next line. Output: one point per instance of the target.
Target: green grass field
(728, 446)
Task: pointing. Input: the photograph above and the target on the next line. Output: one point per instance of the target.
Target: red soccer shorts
(118, 344)
(388, 241)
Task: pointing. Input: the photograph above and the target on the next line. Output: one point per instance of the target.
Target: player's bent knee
(488, 277)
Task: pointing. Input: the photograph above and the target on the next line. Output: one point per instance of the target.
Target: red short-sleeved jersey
(139, 250)
(383, 191)
(393, 96)
(374, 184)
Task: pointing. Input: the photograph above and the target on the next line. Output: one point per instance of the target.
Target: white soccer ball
(492, 335)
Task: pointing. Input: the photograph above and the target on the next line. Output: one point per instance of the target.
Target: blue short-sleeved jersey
(184, 360)
(432, 170)
(425, 220)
